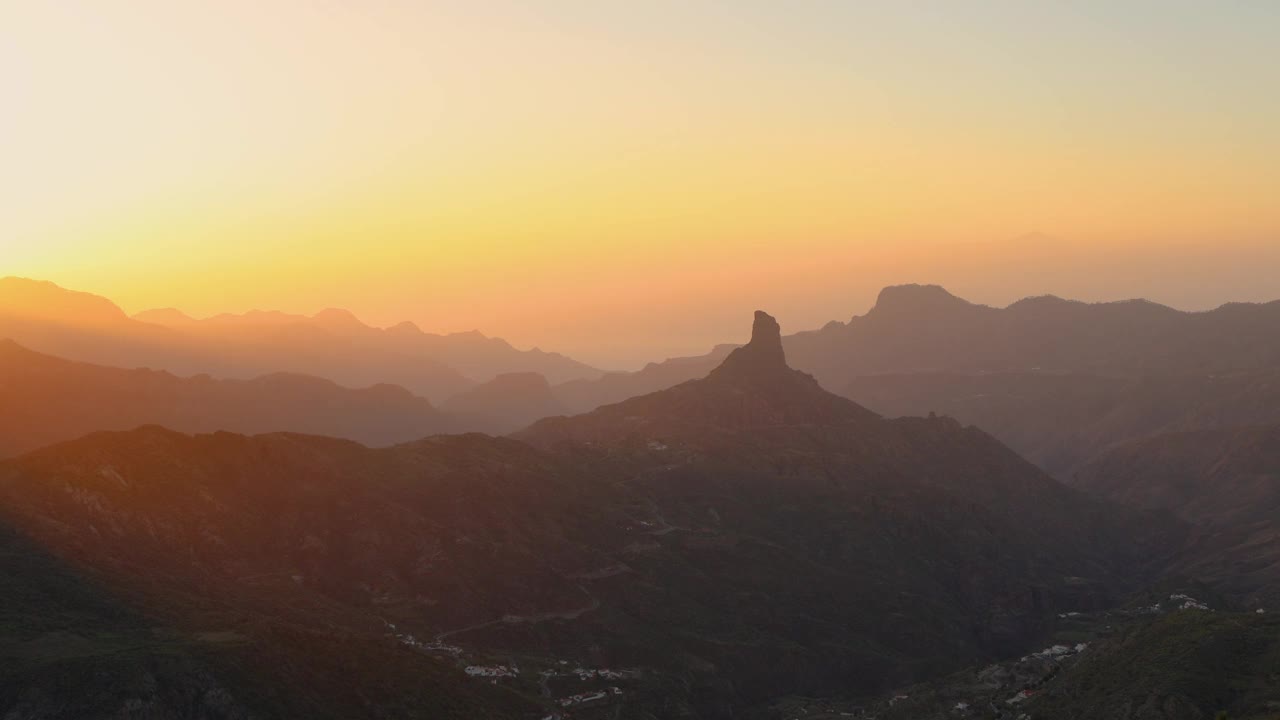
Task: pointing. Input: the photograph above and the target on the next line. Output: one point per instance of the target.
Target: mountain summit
(763, 354)
(920, 302)
(752, 388)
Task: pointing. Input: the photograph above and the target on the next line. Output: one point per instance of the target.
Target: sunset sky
(626, 181)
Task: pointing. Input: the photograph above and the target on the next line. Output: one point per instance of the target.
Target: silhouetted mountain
(332, 344)
(924, 329)
(1060, 381)
(752, 387)
(1225, 482)
(1060, 421)
(48, 319)
(506, 403)
(476, 356)
(165, 316)
(724, 542)
(37, 300)
(48, 400)
(583, 395)
(914, 303)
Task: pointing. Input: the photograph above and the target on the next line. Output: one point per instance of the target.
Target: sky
(628, 181)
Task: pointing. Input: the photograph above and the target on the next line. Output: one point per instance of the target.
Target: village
(998, 690)
(567, 686)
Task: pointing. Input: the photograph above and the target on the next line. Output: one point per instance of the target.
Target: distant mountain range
(923, 329)
(48, 400)
(476, 356)
(705, 549)
(505, 404)
(1062, 421)
(332, 344)
(1058, 380)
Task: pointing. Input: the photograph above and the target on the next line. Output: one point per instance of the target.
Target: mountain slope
(1176, 651)
(506, 403)
(760, 448)
(752, 387)
(49, 319)
(915, 328)
(1061, 421)
(332, 344)
(585, 395)
(726, 542)
(59, 631)
(1186, 665)
(923, 329)
(1225, 482)
(476, 356)
(48, 400)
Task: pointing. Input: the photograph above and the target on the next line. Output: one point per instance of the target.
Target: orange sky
(628, 183)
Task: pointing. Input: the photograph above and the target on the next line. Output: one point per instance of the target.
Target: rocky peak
(763, 354)
(917, 301)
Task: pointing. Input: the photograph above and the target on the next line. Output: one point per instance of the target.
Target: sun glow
(493, 168)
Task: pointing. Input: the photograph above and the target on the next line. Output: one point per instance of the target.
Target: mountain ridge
(739, 537)
(49, 399)
(926, 329)
(332, 344)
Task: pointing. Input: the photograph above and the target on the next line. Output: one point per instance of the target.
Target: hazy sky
(624, 181)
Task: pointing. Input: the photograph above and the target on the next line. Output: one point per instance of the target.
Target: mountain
(48, 302)
(1187, 665)
(1225, 482)
(692, 553)
(59, 631)
(332, 344)
(584, 395)
(758, 450)
(74, 324)
(1174, 651)
(47, 400)
(1059, 381)
(476, 356)
(917, 329)
(752, 387)
(74, 644)
(923, 329)
(165, 316)
(506, 403)
(1062, 421)
(49, 319)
